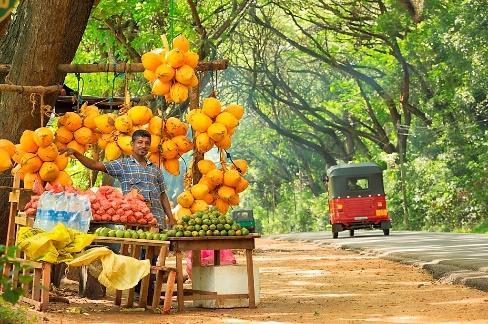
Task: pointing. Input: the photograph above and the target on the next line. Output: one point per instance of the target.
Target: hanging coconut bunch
(37, 158)
(115, 131)
(7, 151)
(168, 143)
(77, 130)
(214, 125)
(171, 72)
(217, 187)
(168, 138)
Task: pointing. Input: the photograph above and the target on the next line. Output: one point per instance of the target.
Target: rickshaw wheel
(351, 233)
(386, 231)
(335, 235)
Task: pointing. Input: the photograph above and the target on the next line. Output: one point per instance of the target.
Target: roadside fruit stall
(211, 188)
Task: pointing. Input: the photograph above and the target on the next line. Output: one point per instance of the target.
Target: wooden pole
(133, 67)
(30, 89)
(124, 67)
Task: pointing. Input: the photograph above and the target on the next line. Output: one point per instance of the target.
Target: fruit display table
(133, 247)
(216, 243)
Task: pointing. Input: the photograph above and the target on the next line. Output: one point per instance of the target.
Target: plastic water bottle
(41, 216)
(46, 215)
(85, 215)
(71, 209)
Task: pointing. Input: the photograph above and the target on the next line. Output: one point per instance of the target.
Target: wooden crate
(35, 292)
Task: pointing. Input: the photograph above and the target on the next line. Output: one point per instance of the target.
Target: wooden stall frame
(42, 277)
(134, 248)
(35, 293)
(216, 243)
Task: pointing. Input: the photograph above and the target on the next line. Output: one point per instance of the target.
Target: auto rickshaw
(357, 198)
(245, 218)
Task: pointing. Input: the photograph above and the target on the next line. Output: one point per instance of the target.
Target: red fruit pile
(31, 207)
(109, 205)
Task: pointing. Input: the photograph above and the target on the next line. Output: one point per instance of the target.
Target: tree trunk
(402, 156)
(41, 35)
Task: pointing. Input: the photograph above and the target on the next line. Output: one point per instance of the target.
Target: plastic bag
(207, 259)
(54, 246)
(119, 271)
(70, 209)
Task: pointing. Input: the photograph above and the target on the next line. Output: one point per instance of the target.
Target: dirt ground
(304, 283)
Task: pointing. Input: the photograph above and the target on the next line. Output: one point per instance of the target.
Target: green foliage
(308, 91)
(10, 314)
(445, 180)
(11, 294)
(293, 208)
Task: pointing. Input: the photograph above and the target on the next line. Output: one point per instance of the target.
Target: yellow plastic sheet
(118, 271)
(55, 246)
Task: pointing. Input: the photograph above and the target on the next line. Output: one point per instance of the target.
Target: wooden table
(152, 247)
(216, 243)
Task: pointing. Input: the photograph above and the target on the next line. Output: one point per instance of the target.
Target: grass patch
(14, 314)
(481, 228)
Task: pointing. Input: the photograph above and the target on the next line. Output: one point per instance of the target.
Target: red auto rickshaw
(357, 198)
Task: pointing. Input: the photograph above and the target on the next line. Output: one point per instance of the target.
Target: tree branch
(122, 40)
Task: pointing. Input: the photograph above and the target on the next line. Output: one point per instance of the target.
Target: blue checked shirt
(147, 179)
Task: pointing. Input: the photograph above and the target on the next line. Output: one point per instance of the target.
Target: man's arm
(167, 208)
(87, 162)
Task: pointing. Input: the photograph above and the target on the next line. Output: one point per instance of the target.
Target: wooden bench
(35, 292)
(134, 248)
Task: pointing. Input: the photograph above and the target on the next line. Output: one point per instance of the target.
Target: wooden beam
(124, 67)
(133, 67)
(30, 89)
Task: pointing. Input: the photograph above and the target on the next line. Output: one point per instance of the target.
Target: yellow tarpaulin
(118, 271)
(55, 246)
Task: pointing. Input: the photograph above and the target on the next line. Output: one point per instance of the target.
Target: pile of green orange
(206, 223)
(132, 234)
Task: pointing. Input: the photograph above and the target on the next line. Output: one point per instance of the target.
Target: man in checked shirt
(136, 172)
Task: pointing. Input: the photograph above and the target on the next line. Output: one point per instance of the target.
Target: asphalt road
(450, 257)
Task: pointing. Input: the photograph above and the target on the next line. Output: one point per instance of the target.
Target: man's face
(140, 146)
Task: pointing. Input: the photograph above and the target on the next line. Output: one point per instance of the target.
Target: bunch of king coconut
(214, 125)
(38, 158)
(171, 73)
(170, 143)
(219, 187)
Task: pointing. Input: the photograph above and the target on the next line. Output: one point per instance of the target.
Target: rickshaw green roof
(353, 169)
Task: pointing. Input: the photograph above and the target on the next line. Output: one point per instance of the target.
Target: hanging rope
(44, 110)
(162, 113)
(223, 162)
(33, 101)
(171, 18)
(111, 99)
(232, 161)
(78, 91)
(188, 178)
(127, 99)
(214, 85)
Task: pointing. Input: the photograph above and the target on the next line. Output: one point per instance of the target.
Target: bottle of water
(46, 217)
(41, 215)
(85, 215)
(71, 209)
(74, 212)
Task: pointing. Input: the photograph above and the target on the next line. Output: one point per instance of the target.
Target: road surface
(451, 257)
